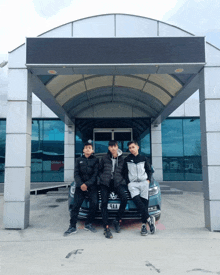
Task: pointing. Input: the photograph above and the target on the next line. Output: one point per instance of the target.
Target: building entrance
(100, 131)
(101, 137)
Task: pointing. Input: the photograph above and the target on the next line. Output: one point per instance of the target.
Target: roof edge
(114, 14)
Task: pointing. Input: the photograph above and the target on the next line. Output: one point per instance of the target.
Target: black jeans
(121, 192)
(142, 206)
(79, 196)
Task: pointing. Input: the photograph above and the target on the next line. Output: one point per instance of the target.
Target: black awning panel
(82, 51)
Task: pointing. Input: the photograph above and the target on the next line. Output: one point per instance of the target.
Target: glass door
(101, 137)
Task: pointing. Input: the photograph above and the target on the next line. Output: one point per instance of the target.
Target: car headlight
(153, 191)
(72, 190)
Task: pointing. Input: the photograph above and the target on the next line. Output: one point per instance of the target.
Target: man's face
(113, 149)
(88, 150)
(133, 148)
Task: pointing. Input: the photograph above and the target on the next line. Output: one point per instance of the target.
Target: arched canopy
(148, 93)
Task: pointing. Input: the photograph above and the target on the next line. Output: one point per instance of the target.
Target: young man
(137, 172)
(85, 174)
(111, 179)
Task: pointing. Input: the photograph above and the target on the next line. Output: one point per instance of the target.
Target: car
(131, 212)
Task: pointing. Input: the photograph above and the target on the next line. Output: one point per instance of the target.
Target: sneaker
(117, 226)
(108, 233)
(71, 230)
(144, 230)
(89, 227)
(152, 226)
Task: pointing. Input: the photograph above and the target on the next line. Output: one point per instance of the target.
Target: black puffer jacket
(86, 170)
(105, 169)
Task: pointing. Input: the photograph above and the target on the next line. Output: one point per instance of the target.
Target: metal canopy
(80, 74)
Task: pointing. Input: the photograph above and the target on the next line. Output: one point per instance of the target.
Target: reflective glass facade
(2, 148)
(181, 149)
(144, 142)
(181, 146)
(47, 151)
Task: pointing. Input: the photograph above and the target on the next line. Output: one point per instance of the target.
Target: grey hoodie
(114, 160)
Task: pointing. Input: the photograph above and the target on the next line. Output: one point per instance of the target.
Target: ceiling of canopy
(148, 93)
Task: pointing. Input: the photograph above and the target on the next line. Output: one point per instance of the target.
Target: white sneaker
(151, 223)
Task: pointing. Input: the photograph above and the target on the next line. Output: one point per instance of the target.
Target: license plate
(111, 206)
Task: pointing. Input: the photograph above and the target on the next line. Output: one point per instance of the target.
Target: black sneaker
(152, 226)
(144, 230)
(71, 230)
(89, 227)
(108, 233)
(117, 226)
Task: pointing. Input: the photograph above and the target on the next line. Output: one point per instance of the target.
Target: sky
(29, 18)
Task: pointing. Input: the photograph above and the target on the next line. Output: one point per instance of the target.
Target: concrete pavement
(181, 244)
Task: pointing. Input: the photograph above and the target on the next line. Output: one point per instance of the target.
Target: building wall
(3, 87)
(189, 108)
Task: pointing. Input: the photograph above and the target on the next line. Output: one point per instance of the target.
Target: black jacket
(86, 170)
(105, 170)
(137, 168)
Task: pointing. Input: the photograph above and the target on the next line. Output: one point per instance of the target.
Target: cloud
(213, 37)
(31, 18)
(200, 17)
(48, 8)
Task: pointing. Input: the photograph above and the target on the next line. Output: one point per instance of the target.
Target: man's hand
(148, 181)
(83, 187)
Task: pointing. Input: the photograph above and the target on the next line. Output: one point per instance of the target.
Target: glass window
(78, 144)
(47, 152)
(103, 136)
(123, 138)
(101, 141)
(2, 149)
(192, 149)
(172, 133)
(144, 142)
(172, 149)
(181, 141)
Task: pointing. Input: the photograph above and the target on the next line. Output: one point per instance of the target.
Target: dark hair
(133, 141)
(112, 143)
(87, 144)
